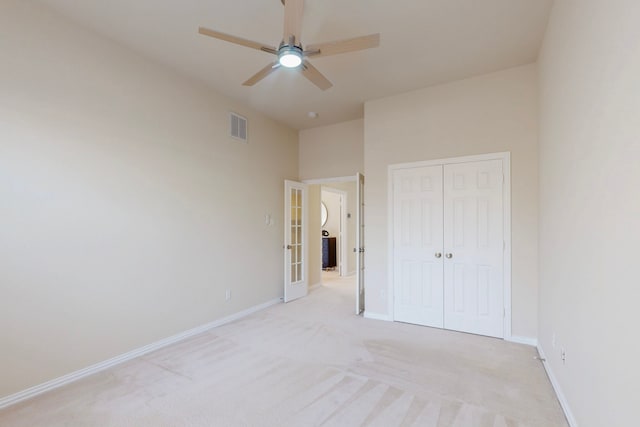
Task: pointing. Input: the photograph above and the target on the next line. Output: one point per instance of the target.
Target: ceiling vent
(238, 126)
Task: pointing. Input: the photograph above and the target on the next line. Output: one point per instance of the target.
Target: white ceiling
(423, 42)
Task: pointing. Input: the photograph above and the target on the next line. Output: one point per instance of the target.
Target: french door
(448, 246)
(295, 241)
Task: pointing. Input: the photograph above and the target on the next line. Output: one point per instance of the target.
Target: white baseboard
(82, 373)
(317, 285)
(533, 342)
(377, 316)
(556, 387)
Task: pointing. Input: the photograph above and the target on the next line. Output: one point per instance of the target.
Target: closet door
(417, 245)
(474, 247)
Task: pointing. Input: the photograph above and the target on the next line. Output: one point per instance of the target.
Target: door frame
(359, 249)
(506, 194)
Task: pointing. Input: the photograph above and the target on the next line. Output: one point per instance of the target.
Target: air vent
(238, 127)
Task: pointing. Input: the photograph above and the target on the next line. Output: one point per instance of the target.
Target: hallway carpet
(311, 362)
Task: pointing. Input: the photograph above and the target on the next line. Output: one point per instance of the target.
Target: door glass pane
(299, 271)
(294, 210)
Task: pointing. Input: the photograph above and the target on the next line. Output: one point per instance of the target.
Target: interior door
(474, 247)
(359, 249)
(295, 241)
(417, 245)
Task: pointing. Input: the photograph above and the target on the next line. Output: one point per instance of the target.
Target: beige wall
(332, 151)
(332, 202)
(490, 113)
(590, 207)
(126, 211)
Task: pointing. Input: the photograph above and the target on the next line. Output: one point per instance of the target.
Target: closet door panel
(417, 245)
(474, 247)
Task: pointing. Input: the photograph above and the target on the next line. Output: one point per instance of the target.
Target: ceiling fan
(290, 52)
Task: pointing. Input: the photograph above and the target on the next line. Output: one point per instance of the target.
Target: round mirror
(323, 213)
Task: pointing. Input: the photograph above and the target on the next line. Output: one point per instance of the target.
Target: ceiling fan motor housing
(290, 56)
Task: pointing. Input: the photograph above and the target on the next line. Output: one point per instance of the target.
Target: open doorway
(334, 222)
(337, 232)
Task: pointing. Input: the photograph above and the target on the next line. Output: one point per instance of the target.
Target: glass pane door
(295, 241)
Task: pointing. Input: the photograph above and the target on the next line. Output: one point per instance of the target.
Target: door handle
(438, 254)
(289, 246)
(449, 256)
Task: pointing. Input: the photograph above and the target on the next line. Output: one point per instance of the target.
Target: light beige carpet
(311, 362)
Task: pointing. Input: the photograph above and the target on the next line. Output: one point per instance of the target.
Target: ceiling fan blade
(343, 46)
(236, 40)
(293, 10)
(315, 76)
(262, 74)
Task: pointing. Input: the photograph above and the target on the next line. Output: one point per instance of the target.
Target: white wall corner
(533, 342)
(101, 366)
(556, 387)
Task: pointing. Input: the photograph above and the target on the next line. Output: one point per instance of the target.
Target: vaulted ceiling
(423, 42)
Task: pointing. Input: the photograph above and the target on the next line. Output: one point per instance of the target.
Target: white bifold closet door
(474, 248)
(417, 244)
(448, 246)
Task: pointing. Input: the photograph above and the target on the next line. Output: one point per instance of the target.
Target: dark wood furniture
(329, 252)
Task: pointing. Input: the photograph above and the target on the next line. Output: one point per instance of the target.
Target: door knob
(449, 256)
(438, 255)
(289, 246)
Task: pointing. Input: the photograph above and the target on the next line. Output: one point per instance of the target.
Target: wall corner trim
(533, 342)
(556, 387)
(101, 366)
(377, 316)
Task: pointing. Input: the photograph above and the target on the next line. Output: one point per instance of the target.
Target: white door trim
(506, 168)
(359, 246)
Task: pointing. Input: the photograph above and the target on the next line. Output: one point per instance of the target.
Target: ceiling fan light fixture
(290, 56)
